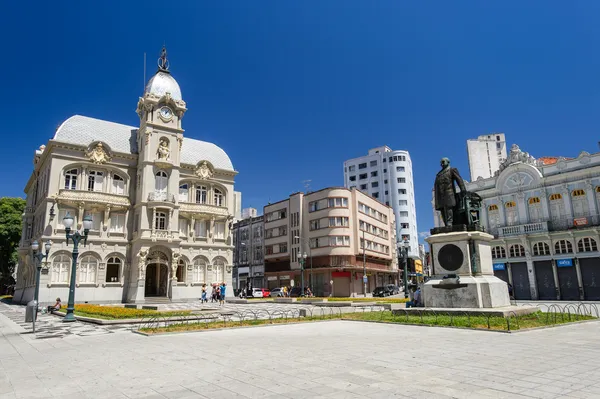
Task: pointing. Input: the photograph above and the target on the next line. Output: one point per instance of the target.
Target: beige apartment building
(341, 231)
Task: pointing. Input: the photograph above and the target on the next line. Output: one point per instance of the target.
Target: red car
(260, 293)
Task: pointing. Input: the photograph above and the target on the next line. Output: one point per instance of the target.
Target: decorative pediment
(584, 158)
(98, 153)
(204, 170)
(517, 156)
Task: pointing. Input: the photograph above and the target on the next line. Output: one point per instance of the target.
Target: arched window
(516, 251)
(219, 197)
(118, 185)
(511, 213)
(61, 265)
(540, 249)
(87, 269)
(498, 252)
(535, 209)
(580, 203)
(199, 271)
(113, 267)
(563, 247)
(183, 193)
(162, 182)
(557, 211)
(160, 222)
(587, 244)
(555, 197)
(201, 194)
(218, 270)
(71, 179)
(180, 270)
(493, 218)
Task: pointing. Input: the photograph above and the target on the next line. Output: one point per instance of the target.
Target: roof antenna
(306, 184)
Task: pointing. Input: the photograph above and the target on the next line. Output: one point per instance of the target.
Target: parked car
(386, 290)
(296, 292)
(277, 292)
(260, 293)
(393, 289)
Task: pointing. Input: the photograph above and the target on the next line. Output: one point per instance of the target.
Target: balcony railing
(581, 222)
(529, 228)
(161, 197)
(96, 197)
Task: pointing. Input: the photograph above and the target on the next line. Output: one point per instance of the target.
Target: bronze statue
(446, 200)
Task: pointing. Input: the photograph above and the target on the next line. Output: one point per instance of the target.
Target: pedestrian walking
(222, 289)
(203, 299)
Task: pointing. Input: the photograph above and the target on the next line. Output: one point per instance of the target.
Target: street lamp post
(364, 265)
(305, 240)
(404, 252)
(302, 262)
(38, 256)
(76, 237)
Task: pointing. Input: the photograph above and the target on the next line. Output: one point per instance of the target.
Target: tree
(11, 211)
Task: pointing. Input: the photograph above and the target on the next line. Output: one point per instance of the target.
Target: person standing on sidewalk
(222, 289)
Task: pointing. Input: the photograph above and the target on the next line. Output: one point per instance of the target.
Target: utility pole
(364, 265)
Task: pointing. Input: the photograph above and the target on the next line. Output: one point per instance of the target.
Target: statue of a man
(445, 191)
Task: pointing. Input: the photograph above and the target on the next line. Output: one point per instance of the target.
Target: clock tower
(159, 142)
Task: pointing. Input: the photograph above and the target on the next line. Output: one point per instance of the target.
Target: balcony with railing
(160, 196)
(521, 229)
(577, 222)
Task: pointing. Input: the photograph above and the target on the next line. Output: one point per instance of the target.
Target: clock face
(166, 112)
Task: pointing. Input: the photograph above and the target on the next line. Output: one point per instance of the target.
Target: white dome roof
(163, 83)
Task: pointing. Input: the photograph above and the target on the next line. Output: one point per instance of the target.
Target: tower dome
(162, 82)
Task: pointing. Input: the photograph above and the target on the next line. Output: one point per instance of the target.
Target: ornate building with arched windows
(545, 216)
(162, 206)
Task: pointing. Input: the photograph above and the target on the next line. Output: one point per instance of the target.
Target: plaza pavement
(332, 359)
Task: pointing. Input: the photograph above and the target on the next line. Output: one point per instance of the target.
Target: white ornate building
(544, 214)
(162, 206)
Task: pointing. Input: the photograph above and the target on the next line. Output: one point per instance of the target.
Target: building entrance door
(590, 273)
(157, 277)
(520, 279)
(544, 277)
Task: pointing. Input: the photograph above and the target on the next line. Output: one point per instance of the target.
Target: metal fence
(549, 315)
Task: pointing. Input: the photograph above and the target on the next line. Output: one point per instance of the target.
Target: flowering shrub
(115, 312)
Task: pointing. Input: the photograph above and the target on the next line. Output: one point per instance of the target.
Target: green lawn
(496, 323)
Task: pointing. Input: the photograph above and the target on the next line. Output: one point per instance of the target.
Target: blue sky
(291, 89)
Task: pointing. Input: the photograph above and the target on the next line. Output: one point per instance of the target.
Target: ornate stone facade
(161, 205)
(544, 215)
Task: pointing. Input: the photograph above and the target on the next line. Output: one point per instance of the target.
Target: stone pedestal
(462, 264)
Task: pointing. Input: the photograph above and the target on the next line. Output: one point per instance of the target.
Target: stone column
(81, 184)
(545, 204)
(579, 279)
(152, 227)
(522, 208)
(556, 283)
(530, 269)
(502, 210)
(591, 197)
(566, 193)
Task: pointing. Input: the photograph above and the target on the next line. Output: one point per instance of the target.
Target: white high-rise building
(387, 176)
(486, 153)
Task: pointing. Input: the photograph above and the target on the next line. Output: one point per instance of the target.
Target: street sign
(292, 283)
(564, 262)
(499, 266)
(365, 279)
(331, 282)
